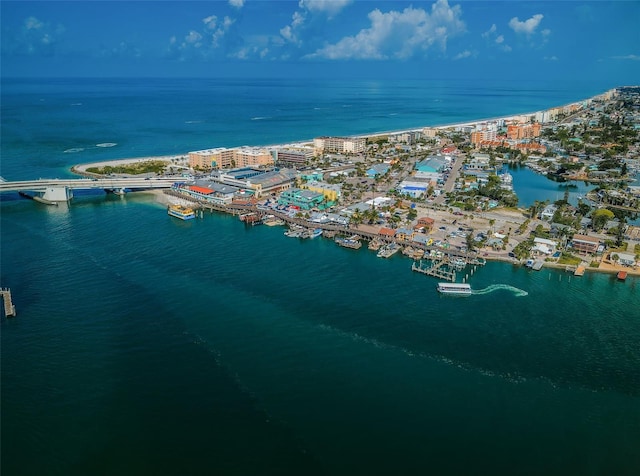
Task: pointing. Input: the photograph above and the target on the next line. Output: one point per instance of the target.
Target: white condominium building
(344, 145)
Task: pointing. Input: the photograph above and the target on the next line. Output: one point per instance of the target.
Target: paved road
(451, 181)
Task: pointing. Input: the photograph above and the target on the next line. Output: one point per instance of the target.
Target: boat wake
(497, 287)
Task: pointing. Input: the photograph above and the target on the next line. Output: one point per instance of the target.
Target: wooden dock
(9, 308)
(435, 270)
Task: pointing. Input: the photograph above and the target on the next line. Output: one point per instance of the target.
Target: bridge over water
(61, 190)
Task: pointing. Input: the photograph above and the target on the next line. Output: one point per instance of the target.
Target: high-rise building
(341, 145)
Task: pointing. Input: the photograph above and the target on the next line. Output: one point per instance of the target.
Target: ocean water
(147, 345)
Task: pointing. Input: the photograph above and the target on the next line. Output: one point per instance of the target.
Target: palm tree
(356, 218)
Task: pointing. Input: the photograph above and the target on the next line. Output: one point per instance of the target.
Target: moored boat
(182, 212)
(459, 289)
(271, 220)
(295, 231)
(349, 242)
(622, 275)
(375, 244)
(388, 250)
(314, 233)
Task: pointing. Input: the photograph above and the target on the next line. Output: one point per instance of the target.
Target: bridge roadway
(41, 185)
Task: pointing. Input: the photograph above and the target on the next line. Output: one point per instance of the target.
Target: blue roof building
(377, 170)
(432, 164)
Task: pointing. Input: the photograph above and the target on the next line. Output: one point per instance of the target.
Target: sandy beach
(81, 169)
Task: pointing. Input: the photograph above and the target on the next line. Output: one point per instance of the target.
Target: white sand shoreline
(81, 168)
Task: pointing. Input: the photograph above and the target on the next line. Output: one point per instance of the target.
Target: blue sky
(432, 39)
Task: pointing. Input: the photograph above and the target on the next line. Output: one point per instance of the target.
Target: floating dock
(9, 308)
(579, 271)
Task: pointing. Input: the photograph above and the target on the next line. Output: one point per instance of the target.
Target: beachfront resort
(445, 190)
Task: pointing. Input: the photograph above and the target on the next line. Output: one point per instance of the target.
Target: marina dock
(435, 270)
(9, 308)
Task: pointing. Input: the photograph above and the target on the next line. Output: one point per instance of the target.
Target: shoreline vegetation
(501, 217)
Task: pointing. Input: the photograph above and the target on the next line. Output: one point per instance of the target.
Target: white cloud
(193, 38)
(210, 22)
(527, 27)
(203, 42)
(308, 8)
(330, 7)
(495, 39)
(236, 3)
(32, 23)
(399, 35)
(462, 55)
(490, 32)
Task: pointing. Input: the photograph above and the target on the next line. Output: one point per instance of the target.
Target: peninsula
(443, 190)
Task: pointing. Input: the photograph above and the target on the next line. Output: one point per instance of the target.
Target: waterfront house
(420, 239)
(543, 246)
(625, 259)
(548, 212)
(386, 233)
(404, 234)
(585, 243)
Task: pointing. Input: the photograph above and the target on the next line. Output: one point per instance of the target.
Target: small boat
(271, 220)
(352, 243)
(388, 250)
(622, 275)
(294, 232)
(458, 264)
(375, 244)
(182, 212)
(459, 289)
(314, 233)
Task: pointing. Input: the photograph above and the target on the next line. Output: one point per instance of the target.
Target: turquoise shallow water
(147, 345)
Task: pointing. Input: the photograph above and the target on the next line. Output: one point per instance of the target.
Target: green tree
(600, 217)
(620, 232)
(470, 241)
(356, 219)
